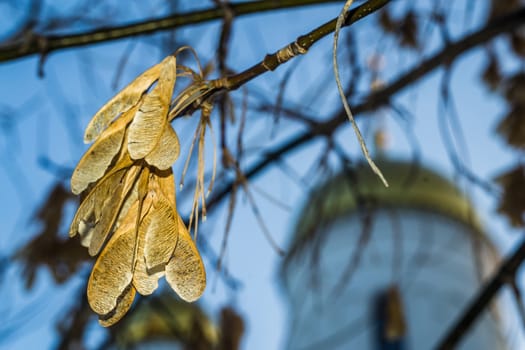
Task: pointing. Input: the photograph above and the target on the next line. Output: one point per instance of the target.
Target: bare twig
(299, 47)
(364, 149)
(41, 44)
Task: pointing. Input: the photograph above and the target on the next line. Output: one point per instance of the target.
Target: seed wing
(148, 124)
(166, 183)
(95, 162)
(185, 271)
(123, 305)
(166, 151)
(121, 102)
(112, 206)
(161, 234)
(112, 272)
(144, 280)
(89, 212)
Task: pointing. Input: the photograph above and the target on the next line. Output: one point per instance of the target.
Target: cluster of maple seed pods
(128, 209)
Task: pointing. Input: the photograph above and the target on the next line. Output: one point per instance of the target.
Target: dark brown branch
(382, 97)
(272, 61)
(298, 47)
(505, 274)
(42, 44)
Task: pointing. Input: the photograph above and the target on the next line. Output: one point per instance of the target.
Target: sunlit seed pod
(85, 230)
(148, 123)
(90, 210)
(166, 151)
(166, 183)
(112, 206)
(131, 198)
(112, 272)
(142, 193)
(121, 102)
(161, 233)
(144, 280)
(185, 271)
(97, 213)
(124, 303)
(95, 162)
(84, 219)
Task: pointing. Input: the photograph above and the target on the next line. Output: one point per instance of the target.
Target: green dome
(410, 186)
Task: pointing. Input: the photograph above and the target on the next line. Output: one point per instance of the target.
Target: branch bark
(45, 44)
(299, 47)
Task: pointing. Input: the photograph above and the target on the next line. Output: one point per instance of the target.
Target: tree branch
(299, 47)
(381, 97)
(506, 273)
(42, 44)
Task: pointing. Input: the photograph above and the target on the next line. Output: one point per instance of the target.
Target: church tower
(381, 268)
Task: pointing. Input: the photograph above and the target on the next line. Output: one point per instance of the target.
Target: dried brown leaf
(492, 73)
(517, 42)
(185, 271)
(387, 23)
(113, 270)
(166, 151)
(123, 305)
(121, 102)
(409, 30)
(95, 162)
(148, 124)
(512, 126)
(515, 88)
(512, 201)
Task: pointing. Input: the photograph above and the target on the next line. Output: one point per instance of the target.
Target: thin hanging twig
(340, 20)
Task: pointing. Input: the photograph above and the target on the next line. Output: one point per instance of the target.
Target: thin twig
(340, 20)
(299, 47)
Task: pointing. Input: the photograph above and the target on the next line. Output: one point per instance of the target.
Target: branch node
(290, 51)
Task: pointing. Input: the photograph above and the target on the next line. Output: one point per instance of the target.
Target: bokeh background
(462, 115)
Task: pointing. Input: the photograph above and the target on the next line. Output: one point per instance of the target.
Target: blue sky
(78, 82)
